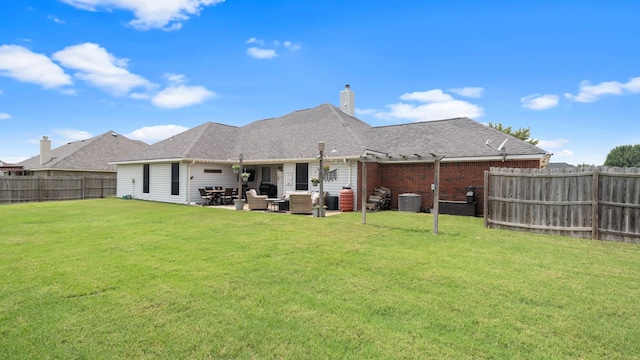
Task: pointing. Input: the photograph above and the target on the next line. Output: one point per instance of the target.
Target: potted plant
(236, 168)
(314, 180)
(245, 176)
(315, 210)
(326, 168)
(239, 203)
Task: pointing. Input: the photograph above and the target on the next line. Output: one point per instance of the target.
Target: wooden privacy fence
(590, 202)
(30, 188)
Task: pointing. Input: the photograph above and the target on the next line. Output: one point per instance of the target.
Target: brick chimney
(45, 150)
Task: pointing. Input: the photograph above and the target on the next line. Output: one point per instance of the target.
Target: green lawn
(128, 279)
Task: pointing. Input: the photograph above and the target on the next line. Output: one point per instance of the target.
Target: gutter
(189, 182)
(231, 162)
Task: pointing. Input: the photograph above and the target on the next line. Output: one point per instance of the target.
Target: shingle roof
(296, 135)
(92, 154)
(454, 138)
(562, 165)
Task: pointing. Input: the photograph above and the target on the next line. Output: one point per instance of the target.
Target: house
(7, 169)
(561, 166)
(284, 152)
(84, 157)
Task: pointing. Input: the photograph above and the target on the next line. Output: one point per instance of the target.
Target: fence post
(594, 204)
(485, 196)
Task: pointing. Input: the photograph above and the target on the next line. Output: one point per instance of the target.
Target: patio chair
(315, 198)
(255, 201)
(300, 203)
(227, 196)
(207, 198)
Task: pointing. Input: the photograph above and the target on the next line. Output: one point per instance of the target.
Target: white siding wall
(226, 178)
(347, 176)
(160, 181)
(129, 180)
(192, 177)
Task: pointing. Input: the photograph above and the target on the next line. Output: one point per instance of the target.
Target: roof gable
(92, 154)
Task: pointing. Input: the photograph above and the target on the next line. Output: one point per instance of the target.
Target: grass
(127, 279)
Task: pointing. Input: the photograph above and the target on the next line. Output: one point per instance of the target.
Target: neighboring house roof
(560, 166)
(5, 166)
(296, 136)
(92, 154)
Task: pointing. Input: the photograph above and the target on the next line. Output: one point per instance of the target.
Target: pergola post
(364, 192)
(436, 192)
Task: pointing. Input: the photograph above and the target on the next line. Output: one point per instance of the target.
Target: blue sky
(73, 69)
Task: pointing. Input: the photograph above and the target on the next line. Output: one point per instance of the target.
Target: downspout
(189, 181)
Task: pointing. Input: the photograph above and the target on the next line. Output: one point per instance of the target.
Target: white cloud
(140, 96)
(539, 102)
(438, 105)
(151, 134)
(269, 53)
(557, 147)
(175, 78)
(473, 92)
(24, 65)
(4, 116)
(162, 14)
(255, 41)
(564, 153)
(435, 95)
(552, 144)
(56, 20)
(174, 97)
(291, 46)
(100, 68)
(633, 85)
(69, 135)
(259, 53)
(591, 93)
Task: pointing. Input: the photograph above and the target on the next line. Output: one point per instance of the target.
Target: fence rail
(592, 202)
(14, 189)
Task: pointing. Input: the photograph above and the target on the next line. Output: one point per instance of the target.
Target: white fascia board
(133, 162)
(76, 170)
(293, 160)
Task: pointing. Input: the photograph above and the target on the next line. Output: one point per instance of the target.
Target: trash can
(332, 203)
(409, 202)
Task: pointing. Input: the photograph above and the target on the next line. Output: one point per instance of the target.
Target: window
(145, 178)
(302, 176)
(266, 174)
(212, 171)
(252, 174)
(175, 178)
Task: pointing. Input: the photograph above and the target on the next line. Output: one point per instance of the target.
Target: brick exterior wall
(417, 178)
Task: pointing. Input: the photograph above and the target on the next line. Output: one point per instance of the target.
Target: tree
(522, 133)
(624, 156)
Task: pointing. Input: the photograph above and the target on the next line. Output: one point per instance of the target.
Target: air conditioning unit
(409, 202)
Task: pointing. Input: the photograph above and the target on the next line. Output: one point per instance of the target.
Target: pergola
(369, 156)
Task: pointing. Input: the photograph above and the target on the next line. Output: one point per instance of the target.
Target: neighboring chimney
(45, 150)
(347, 103)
